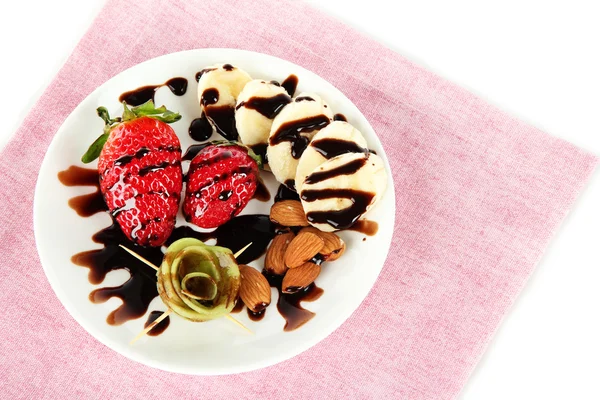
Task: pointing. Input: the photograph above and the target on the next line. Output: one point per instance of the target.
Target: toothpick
(239, 253)
(166, 313)
(229, 317)
(136, 255)
(152, 325)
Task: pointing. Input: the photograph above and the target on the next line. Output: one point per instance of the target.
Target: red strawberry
(221, 180)
(140, 171)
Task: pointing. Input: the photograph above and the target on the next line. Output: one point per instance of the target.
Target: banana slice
(337, 138)
(292, 130)
(257, 105)
(341, 190)
(218, 89)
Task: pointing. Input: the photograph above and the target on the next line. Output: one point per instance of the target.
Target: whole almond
(333, 245)
(255, 291)
(299, 278)
(274, 263)
(302, 248)
(288, 213)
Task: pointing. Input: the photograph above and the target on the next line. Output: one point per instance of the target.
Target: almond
(302, 248)
(255, 291)
(333, 245)
(298, 278)
(274, 263)
(288, 213)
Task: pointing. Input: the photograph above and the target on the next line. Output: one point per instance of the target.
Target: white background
(538, 60)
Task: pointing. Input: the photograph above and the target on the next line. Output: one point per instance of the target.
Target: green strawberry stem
(147, 109)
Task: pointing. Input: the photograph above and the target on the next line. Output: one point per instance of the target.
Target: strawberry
(139, 164)
(220, 182)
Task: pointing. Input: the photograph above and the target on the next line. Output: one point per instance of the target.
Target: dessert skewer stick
(149, 327)
(166, 313)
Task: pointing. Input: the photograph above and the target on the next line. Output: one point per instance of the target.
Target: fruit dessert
(335, 139)
(221, 180)
(292, 130)
(139, 165)
(342, 189)
(257, 105)
(218, 89)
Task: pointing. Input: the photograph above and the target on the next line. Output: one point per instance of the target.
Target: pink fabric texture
(479, 196)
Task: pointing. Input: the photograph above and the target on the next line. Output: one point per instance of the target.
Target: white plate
(214, 347)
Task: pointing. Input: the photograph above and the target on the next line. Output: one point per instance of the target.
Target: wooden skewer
(166, 313)
(235, 321)
(236, 255)
(136, 255)
(152, 325)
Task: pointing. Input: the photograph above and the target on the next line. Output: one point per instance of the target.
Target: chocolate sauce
(256, 316)
(261, 150)
(200, 129)
(158, 328)
(289, 84)
(289, 306)
(153, 168)
(340, 117)
(228, 67)
(304, 98)
(193, 151)
(239, 306)
(225, 195)
(223, 118)
(200, 73)
(267, 106)
(290, 132)
(262, 192)
(365, 226)
(330, 148)
(124, 160)
(209, 96)
(141, 95)
(291, 184)
(285, 193)
(339, 219)
(138, 291)
(346, 169)
(88, 204)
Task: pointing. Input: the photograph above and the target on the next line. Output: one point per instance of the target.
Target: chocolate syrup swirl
(158, 328)
(88, 204)
(200, 129)
(330, 148)
(262, 192)
(290, 84)
(347, 169)
(285, 193)
(267, 106)
(193, 151)
(209, 96)
(261, 150)
(200, 73)
(291, 132)
(339, 219)
(289, 306)
(340, 117)
(303, 98)
(141, 95)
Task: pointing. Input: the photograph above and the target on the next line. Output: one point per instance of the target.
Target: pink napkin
(479, 196)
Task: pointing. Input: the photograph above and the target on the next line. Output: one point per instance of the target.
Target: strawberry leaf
(95, 148)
